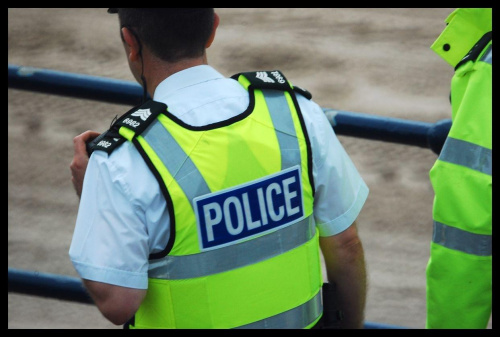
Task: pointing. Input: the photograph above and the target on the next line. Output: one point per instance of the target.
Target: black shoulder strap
(473, 54)
(303, 92)
(271, 79)
(106, 141)
(137, 119)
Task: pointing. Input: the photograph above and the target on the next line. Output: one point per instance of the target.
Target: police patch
(236, 214)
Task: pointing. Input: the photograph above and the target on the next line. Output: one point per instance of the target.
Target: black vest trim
(168, 199)
(303, 92)
(308, 144)
(217, 125)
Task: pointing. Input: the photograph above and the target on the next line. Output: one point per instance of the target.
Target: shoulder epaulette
(136, 119)
(273, 79)
(106, 141)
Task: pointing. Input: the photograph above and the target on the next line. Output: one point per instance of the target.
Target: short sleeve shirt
(123, 216)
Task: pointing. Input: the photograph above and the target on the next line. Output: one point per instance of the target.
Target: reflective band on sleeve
(487, 56)
(234, 256)
(296, 318)
(285, 130)
(180, 166)
(466, 154)
(457, 239)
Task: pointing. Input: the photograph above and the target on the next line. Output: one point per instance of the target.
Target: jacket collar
(465, 26)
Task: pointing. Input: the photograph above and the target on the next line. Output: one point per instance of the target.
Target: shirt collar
(185, 78)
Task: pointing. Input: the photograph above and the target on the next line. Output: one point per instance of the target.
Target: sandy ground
(375, 61)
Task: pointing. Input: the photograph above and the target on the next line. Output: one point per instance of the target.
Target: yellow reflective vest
(243, 249)
(459, 271)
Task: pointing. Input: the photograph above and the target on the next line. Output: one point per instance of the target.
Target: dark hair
(172, 34)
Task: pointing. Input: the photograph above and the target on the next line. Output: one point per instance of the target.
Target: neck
(155, 70)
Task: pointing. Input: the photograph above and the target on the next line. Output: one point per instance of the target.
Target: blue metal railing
(389, 129)
(395, 130)
(48, 285)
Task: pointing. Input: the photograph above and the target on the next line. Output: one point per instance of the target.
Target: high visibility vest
(243, 249)
(459, 279)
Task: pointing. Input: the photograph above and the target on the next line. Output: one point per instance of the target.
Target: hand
(80, 160)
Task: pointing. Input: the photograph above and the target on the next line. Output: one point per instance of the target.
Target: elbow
(352, 253)
(117, 314)
(117, 317)
(117, 310)
(117, 304)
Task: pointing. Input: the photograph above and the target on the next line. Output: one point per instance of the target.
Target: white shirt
(123, 218)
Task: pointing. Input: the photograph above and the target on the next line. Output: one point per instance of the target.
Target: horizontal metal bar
(48, 285)
(355, 124)
(71, 289)
(61, 83)
(389, 129)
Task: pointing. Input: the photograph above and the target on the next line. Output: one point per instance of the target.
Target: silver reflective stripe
(457, 239)
(177, 162)
(234, 256)
(296, 318)
(487, 56)
(466, 154)
(285, 130)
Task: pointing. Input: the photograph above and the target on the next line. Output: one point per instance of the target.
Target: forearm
(345, 265)
(350, 279)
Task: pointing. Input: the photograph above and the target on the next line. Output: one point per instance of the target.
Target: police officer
(208, 205)
(459, 279)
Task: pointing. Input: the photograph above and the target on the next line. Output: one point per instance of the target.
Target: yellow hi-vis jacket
(459, 279)
(243, 249)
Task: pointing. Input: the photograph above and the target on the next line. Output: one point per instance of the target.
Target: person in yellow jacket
(208, 206)
(459, 271)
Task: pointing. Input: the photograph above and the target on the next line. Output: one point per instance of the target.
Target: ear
(132, 45)
(214, 28)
